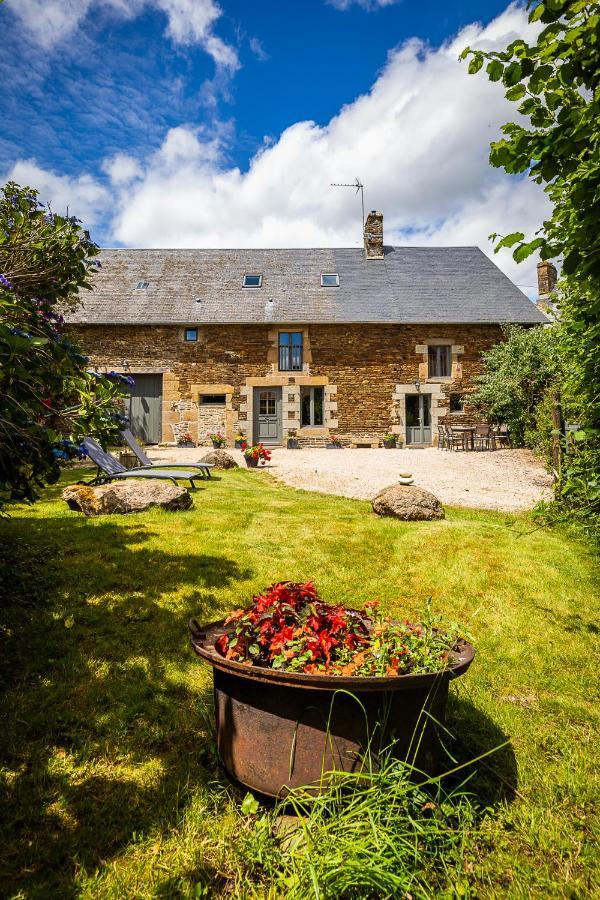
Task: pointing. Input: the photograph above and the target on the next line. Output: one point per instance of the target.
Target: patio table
(468, 435)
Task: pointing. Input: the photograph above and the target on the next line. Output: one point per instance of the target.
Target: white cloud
(258, 49)
(191, 22)
(49, 21)
(188, 22)
(369, 5)
(419, 140)
(83, 196)
(122, 169)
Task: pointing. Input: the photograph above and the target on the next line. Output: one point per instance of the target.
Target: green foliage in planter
(49, 398)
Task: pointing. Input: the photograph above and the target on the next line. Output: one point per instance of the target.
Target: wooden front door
(418, 418)
(267, 415)
(145, 408)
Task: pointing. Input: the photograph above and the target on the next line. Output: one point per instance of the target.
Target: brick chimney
(374, 235)
(546, 273)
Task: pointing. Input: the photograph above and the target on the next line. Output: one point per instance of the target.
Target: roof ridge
(286, 249)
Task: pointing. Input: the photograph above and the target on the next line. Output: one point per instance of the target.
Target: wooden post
(558, 428)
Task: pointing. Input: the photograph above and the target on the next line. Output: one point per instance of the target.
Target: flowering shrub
(334, 440)
(288, 627)
(50, 399)
(185, 438)
(258, 451)
(218, 439)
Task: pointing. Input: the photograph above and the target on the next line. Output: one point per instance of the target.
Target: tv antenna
(359, 187)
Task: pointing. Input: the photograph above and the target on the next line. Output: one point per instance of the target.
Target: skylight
(142, 285)
(331, 279)
(252, 281)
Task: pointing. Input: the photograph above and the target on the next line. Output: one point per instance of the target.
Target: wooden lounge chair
(135, 447)
(110, 469)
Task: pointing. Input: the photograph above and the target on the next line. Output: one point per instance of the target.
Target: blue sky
(192, 122)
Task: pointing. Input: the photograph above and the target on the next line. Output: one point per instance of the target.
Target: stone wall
(366, 372)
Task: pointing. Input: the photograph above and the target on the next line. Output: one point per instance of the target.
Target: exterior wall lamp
(418, 385)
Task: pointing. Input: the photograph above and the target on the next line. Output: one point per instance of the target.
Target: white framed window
(252, 281)
(330, 279)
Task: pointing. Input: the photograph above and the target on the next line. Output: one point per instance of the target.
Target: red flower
(337, 619)
(327, 642)
(222, 644)
(234, 616)
(279, 641)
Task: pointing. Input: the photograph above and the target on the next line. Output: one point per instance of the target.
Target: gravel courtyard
(509, 480)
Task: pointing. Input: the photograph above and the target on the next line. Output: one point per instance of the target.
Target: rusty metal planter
(279, 730)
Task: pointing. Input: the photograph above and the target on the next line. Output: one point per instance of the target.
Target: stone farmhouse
(360, 342)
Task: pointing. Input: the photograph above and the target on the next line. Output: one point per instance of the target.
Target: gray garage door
(145, 408)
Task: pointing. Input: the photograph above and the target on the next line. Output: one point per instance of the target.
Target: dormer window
(252, 281)
(142, 285)
(331, 279)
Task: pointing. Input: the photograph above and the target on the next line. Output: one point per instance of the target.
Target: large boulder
(126, 496)
(407, 502)
(220, 459)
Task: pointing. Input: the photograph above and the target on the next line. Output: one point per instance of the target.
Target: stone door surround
(437, 408)
(290, 383)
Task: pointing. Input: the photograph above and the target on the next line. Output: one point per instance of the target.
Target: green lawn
(108, 772)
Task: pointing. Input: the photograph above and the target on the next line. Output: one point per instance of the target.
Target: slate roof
(410, 285)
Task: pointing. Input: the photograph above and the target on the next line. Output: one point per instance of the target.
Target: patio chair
(441, 437)
(130, 440)
(484, 437)
(502, 436)
(109, 468)
(455, 439)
